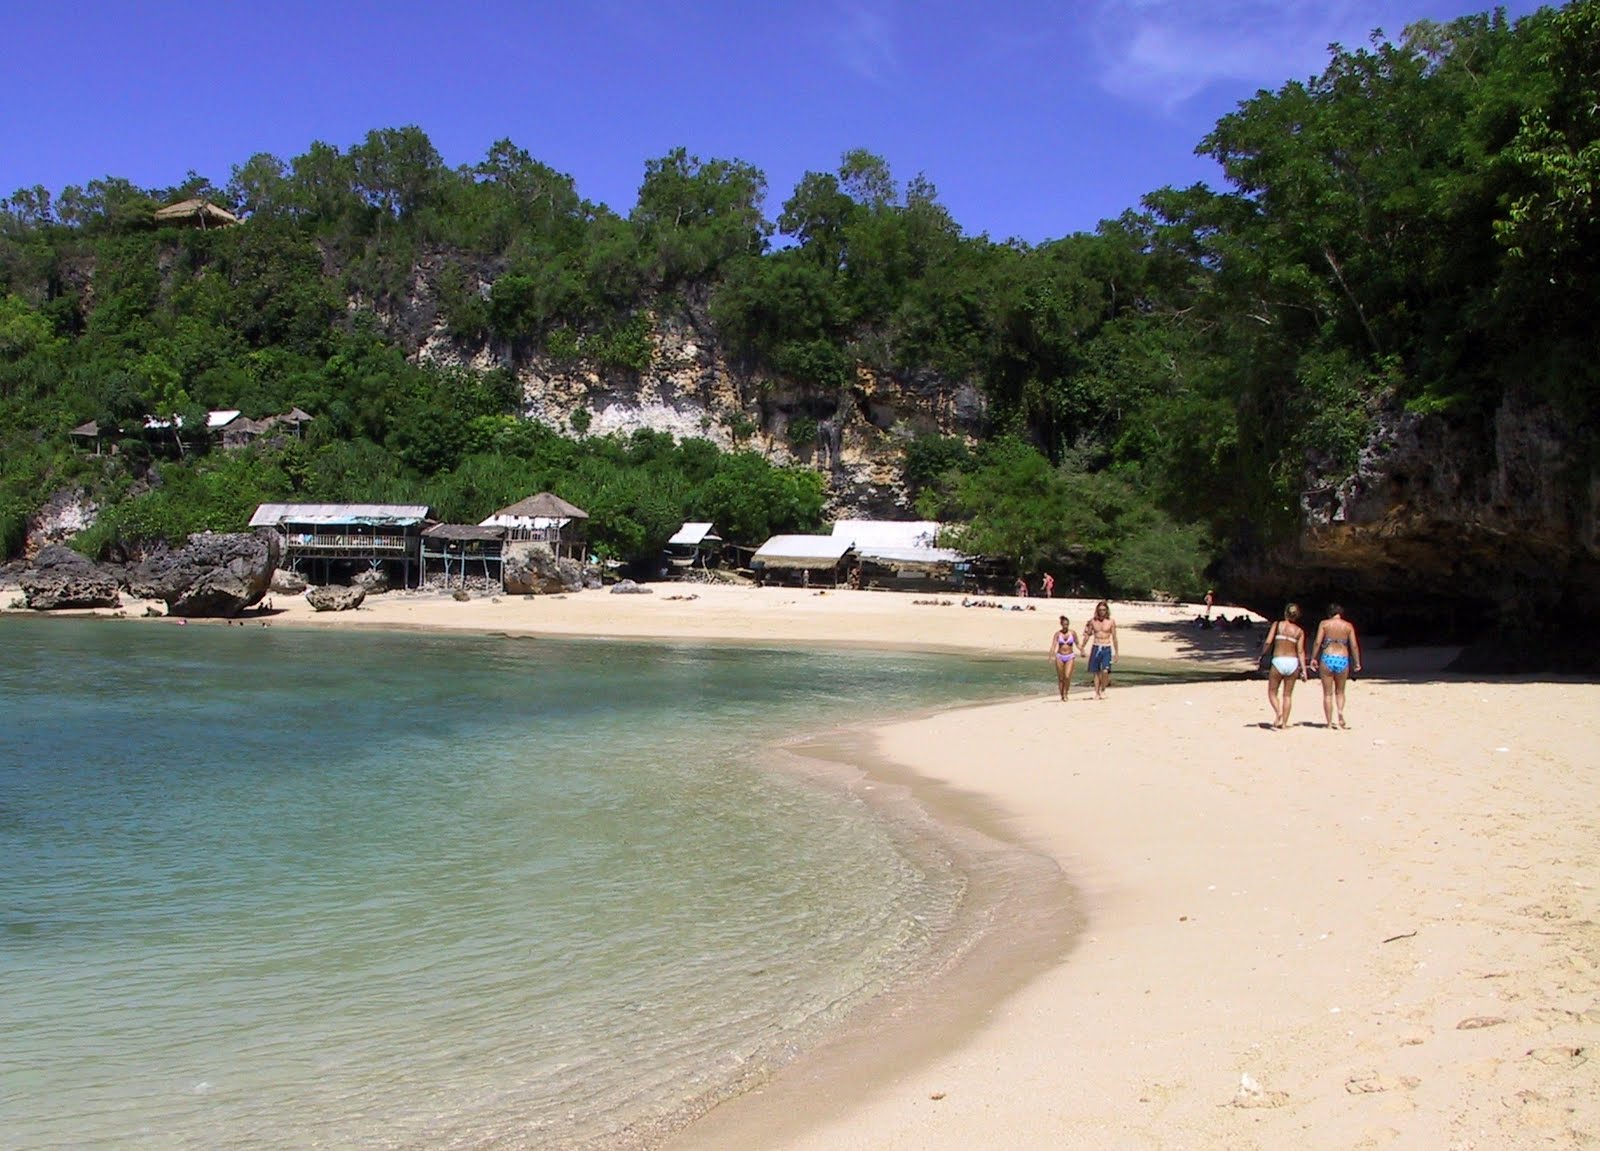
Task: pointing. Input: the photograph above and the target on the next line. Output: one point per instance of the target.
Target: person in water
(1064, 654)
(1286, 646)
(1336, 647)
(1102, 632)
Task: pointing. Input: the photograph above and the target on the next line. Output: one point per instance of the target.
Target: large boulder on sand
(214, 574)
(373, 581)
(61, 578)
(332, 597)
(532, 569)
(285, 582)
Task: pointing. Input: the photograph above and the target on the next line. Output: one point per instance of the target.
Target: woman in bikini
(1286, 644)
(1336, 645)
(1064, 654)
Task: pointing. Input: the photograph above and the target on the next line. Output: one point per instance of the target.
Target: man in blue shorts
(1102, 634)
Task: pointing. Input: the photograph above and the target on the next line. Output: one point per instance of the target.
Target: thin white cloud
(1164, 52)
(863, 40)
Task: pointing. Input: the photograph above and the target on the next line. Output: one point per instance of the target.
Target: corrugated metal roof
(690, 534)
(888, 533)
(272, 515)
(538, 523)
(801, 551)
(464, 532)
(911, 557)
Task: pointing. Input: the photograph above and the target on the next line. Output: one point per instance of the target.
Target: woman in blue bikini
(1286, 641)
(1064, 654)
(1336, 645)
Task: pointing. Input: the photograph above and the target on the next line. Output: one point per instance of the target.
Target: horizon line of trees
(1414, 229)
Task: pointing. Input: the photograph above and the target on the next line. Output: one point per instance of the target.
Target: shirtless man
(1335, 647)
(1101, 631)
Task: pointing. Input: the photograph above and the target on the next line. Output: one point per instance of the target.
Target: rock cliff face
(693, 388)
(1486, 536)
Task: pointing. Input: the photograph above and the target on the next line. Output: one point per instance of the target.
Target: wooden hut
(329, 540)
(900, 554)
(459, 550)
(804, 560)
(545, 518)
(83, 433)
(694, 545)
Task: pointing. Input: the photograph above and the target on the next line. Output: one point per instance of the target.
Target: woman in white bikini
(1064, 654)
(1286, 643)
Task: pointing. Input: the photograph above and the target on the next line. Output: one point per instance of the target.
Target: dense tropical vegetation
(1417, 227)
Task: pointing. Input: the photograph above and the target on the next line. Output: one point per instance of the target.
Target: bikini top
(1066, 639)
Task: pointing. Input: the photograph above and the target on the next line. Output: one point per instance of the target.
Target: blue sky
(1032, 119)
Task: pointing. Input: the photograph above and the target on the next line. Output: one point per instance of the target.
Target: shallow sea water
(300, 889)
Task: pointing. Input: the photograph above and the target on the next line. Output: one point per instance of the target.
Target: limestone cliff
(1483, 534)
(692, 387)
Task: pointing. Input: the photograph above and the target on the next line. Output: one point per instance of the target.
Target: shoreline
(1381, 937)
(1273, 954)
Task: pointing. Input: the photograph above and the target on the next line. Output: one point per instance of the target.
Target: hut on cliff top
(196, 213)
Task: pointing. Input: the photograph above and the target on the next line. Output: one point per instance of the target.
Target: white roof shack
(888, 533)
(801, 552)
(691, 535)
(275, 515)
(897, 543)
(214, 420)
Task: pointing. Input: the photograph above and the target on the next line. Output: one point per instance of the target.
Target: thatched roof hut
(546, 518)
(196, 213)
(545, 505)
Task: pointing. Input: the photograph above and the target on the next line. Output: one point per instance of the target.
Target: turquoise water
(268, 888)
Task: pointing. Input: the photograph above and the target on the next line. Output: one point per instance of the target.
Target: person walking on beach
(1102, 632)
(1022, 588)
(1286, 645)
(1064, 654)
(1211, 598)
(1049, 585)
(1336, 646)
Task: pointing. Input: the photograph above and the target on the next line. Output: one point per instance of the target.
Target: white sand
(1382, 937)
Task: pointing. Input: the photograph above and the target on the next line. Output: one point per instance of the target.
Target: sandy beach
(1381, 937)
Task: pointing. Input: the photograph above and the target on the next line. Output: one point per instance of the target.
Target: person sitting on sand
(1286, 645)
(1064, 654)
(1336, 645)
(1102, 632)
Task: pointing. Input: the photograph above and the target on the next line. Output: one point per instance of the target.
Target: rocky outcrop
(1455, 534)
(61, 578)
(533, 569)
(692, 388)
(373, 581)
(66, 513)
(214, 574)
(332, 597)
(285, 582)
